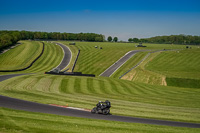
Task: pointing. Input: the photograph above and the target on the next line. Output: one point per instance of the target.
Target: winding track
(67, 56)
(18, 104)
(108, 72)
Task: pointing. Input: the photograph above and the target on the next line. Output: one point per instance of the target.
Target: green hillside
(21, 56)
(51, 58)
(128, 98)
(180, 64)
(12, 121)
(95, 60)
(164, 86)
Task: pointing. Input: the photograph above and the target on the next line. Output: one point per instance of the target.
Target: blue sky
(122, 18)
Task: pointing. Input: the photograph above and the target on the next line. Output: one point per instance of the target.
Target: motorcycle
(102, 108)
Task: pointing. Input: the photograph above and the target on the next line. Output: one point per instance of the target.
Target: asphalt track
(108, 72)
(66, 58)
(18, 104)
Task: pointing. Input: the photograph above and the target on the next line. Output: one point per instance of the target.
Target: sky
(121, 18)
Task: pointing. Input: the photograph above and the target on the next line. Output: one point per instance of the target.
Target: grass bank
(21, 56)
(127, 98)
(13, 121)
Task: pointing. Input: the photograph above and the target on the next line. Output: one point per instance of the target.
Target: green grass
(95, 61)
(138, 98)
(182, 64)
(170, 65)
(127, 98)
(50, 59)
(140, 74)
(13, 121)
(181, 82)
(21, 56)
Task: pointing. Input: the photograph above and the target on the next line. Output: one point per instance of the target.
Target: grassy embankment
(21, 56)
(172, 68)
(12, 121)
(128, 98)
(95, 61)
(51, 57)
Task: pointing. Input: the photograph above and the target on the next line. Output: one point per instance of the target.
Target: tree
(135, 40)
(115, 39)
(130, 40)
(109, 39)
(99, 39)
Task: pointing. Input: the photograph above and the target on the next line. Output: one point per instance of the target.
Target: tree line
(8, 38)
(172, 39)
(110, 39)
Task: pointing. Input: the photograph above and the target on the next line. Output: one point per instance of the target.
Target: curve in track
(18, 104)
(67, 57)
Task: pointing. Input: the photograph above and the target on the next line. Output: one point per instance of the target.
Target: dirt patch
(164, 81)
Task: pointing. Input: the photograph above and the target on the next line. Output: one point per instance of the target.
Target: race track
(66, 58)
(18, 104)
(108, 72)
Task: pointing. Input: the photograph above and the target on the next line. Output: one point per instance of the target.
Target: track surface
(18, 104)
(67, 56)
(119, 63)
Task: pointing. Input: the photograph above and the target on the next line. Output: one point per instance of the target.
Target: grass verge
(127, 98)
(13, 121)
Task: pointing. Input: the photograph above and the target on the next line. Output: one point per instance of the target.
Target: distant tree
(135, 40)
(98, 39)
(115, 39)
(143, 40)
(130, 40)
(109, 39)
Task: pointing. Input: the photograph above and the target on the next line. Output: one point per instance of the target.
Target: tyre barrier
(27, 66)
(71, 74)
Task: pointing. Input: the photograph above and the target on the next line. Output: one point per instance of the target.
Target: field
(50, 59)
(21, 56)
(94, 60)
(12, 121)
(128, 98)
(154, 89)
(173, 68)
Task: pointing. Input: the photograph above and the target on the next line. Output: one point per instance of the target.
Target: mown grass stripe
(64, 85)
(77, 85)
(90, 85)
(84, 87)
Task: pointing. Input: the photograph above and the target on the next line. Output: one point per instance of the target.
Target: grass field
(12, 121)
(127, 98)
(50, 59)
(182, 64)
(140, 74)
(95, 61)
(21, 56)
(174, 68)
